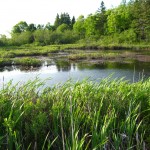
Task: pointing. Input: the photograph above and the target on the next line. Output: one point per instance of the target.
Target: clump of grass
(77, 56)
(5, 62)
(93, 55)
(82, 115)
(27, 61)
(11, 52)
(7, 55)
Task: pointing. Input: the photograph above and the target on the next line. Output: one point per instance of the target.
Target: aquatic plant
(27, 61)
(5, 62)
(82, 115)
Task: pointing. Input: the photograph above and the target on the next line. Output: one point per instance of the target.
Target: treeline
(127, 23)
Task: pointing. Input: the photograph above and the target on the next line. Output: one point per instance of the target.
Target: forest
(128, 23)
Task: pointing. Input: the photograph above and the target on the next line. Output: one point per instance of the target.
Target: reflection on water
(61, 71)
(63, 65)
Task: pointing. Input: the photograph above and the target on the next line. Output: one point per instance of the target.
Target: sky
(44, 11)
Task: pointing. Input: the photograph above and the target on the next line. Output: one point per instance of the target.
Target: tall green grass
(27, 61)
(75, 116)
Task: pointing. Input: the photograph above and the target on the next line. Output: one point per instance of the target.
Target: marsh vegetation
(82, 115)
(79, 114)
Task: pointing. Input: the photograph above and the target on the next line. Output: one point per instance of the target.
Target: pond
(61, 70)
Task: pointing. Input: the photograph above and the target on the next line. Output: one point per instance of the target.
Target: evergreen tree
(141, 21)
(31, 27)
(102, 8)
(73, 20)
(57, 21)
(101, 19)
(65, 18)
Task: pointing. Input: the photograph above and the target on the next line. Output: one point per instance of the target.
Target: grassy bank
(31, 50)
(25, 61)
(93, 55)
(12, 55)
(82, 115)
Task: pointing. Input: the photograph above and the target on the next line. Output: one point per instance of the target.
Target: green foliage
(62, 27)
(73, 22)
(68, 37)
(49, 27)
(83, 115)
(63, 38)
(64, 18)
(39, 36)
(31, 27)
(20, 27)
(141, 19)
(57, 21)
(27, 62)
(22, 38)
(128, 36)
(79, 27)
(5, 62)
(119, 19)
(90, 26)
(3, 40)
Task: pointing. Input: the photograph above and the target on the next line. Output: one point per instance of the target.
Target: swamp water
(59, 71)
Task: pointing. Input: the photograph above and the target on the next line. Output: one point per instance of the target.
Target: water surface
(62, 70)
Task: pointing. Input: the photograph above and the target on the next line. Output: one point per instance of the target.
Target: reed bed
(84, 115)
(27, 61)
(12, 52)
(94, 55)
(24, 61)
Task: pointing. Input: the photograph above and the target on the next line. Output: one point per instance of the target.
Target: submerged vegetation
(82, 115)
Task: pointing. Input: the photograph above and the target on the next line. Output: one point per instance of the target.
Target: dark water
(60, 71)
